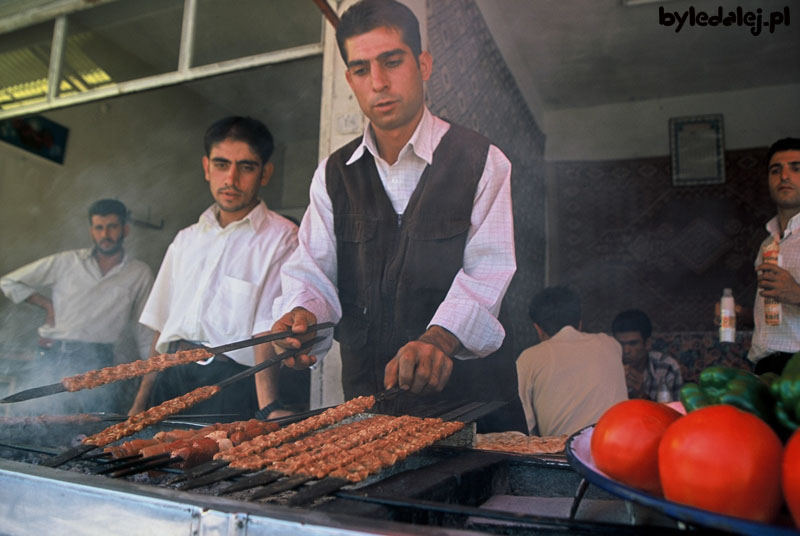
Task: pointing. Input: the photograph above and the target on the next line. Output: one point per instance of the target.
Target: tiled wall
(628, 239)
(472, 86)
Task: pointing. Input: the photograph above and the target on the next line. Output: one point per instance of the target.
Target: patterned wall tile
(628, 238)
(471, 85)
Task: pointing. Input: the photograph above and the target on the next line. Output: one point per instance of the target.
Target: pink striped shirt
(473, 302)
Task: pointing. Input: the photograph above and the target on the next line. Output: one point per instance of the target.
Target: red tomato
(791, 476)
(625, 442)
(722, 459)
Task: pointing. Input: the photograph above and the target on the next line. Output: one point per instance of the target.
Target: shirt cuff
(17, 292)
(479, 332)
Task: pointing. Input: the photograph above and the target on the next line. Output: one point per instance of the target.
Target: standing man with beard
(97, 294)
(219, 278)
(773, 345)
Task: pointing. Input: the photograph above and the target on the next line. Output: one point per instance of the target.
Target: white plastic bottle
(772, 307)
(727, 317)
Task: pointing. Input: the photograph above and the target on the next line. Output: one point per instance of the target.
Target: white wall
(752, 118)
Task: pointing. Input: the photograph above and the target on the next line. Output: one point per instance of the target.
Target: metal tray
(579, 455)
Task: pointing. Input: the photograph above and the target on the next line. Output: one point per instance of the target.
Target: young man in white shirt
(408, 241)
(220, 276)
(773, 345)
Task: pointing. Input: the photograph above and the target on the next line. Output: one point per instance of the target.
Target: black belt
(63, 345)
(181, 344)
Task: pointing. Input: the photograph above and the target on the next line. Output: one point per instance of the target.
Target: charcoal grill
(437, 491)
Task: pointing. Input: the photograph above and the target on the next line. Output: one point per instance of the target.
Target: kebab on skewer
(158, 413)
(317, 455)
(183, 448)
(200, 475)
(326, 418)
(356, 463)
(126, 371)
(151, 416)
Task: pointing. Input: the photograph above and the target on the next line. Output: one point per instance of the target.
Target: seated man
(649, 374)
(569, 379)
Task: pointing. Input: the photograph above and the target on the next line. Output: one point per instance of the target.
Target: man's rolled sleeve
(473, 302)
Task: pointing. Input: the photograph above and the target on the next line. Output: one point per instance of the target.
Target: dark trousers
(772, 363)
(67, 358)
(236, 402)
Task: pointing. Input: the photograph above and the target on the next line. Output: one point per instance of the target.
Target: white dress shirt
(786, 336)
(216, 284)
(89, 306)
(473, 302)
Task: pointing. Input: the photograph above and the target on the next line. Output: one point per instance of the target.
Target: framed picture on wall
(697, 150)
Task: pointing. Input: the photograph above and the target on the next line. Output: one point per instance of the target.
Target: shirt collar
(773, 227)
(255, 218)
(86, 256)
(422, 141)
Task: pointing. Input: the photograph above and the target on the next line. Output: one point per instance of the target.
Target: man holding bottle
(774, 342)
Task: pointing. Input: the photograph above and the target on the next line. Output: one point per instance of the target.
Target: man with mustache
(95, 296)
(220, 276)
(773, 345)
(408, 242)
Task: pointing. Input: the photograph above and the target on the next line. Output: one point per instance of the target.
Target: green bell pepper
(733, 386)
(786, 390)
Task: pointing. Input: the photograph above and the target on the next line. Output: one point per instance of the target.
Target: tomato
(791, 476)
(722, 459)
(625, 442)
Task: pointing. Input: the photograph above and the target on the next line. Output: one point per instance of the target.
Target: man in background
(648, 374)
(96, 294)
(219, 278)
(569, 378)
(773, 345)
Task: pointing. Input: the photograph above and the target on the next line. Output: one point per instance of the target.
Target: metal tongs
(47, 390)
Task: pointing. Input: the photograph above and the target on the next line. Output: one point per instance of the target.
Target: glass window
(121, 41)
(24, 62)
(226, 30)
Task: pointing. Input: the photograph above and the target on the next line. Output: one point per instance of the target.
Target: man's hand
(777, 283)
(297, 320)
(423, 366)
(634, 378)
(43, 302)
(137, 408)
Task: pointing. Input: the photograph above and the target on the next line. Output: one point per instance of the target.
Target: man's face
(634, 349)
(107, 233)
(385, 78)
(234, 174)
(784, 179)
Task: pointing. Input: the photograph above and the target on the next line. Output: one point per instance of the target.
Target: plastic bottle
(727, 317)
(772, 307)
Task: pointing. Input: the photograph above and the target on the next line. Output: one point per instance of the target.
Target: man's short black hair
(251, 131)
(104, 207)
(632, 320)
(555, 307)
(783, 144)
(368, 15)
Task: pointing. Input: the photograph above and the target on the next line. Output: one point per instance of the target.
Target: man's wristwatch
(263, 413)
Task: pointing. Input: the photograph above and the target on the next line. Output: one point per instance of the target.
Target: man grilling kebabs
(220, 276)
(408, 239)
